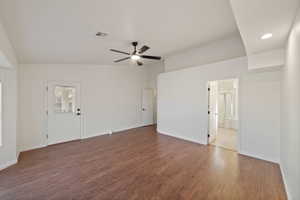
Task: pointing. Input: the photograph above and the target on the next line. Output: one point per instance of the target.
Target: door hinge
(209, 112)
(208, 135)
(47, 88)
(46, 112)
(47, 136)
(208, 89)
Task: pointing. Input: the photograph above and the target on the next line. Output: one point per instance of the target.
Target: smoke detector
(101, 34)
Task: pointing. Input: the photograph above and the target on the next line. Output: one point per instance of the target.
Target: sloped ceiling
(63, 31)
(258, 17)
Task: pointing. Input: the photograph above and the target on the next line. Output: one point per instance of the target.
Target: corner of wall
(290, 138)
(8, 164)
(283, 174)
(8, 70)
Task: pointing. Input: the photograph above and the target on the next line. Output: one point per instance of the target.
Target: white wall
(260, 115)
(290, 126)
(8, 150)
(111, 98)
(182, 105)
(8, 77)
(7, 54)
(273, 58)
(153, 70)
(210, 53)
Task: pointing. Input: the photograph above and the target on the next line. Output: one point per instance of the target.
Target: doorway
(63, 112)
(223, 113)
(148, 107)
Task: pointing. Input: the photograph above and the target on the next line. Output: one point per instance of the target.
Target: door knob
(78, 112)
(143, 109)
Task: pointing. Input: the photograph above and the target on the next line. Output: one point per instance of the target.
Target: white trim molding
(127, 128)
(34, 147)
(289, 197)
(94, 135)
(273, 160)
(8, 164)
(109, 132)
(178, 137)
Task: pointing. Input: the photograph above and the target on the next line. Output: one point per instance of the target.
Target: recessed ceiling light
(101, 34)
(135, 57)
(266, 36)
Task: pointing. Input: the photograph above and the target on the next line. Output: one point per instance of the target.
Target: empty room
(160, 100)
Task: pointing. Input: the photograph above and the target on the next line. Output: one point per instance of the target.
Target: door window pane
(64, 99)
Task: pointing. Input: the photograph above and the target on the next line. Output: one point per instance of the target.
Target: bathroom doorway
(223, 113)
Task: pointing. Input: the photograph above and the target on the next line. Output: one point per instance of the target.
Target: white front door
(213, 110)
(63, 112)
(147, 107)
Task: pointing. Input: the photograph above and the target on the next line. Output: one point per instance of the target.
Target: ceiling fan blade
(143, 49)
(151, 57)
(117, 51)
(122, 59)
(139, 63)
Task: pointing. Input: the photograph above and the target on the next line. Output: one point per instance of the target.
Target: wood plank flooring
(226, 138)
(139, 164)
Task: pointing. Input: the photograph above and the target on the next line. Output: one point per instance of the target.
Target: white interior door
(63, 112)
(213, 110)
(147, 107)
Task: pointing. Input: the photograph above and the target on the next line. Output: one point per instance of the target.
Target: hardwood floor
(139, 164)
(226, 138)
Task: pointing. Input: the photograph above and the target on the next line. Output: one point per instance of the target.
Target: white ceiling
(63, 31)
(257, 17)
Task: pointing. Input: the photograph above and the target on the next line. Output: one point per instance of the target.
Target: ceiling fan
(136, 55)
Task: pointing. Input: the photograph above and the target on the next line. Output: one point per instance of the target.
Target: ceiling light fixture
(266, 36)
(135, 57)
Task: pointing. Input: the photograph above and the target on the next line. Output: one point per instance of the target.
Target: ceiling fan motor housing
(134, 44)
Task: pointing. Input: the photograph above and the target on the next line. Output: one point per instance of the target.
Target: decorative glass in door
(65, 99)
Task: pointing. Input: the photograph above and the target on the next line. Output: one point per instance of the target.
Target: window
(64, 99)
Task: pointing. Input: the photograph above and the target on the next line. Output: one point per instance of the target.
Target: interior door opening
(223, 113)
(148, 107)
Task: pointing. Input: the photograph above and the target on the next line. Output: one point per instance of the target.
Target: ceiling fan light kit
(136, 55)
